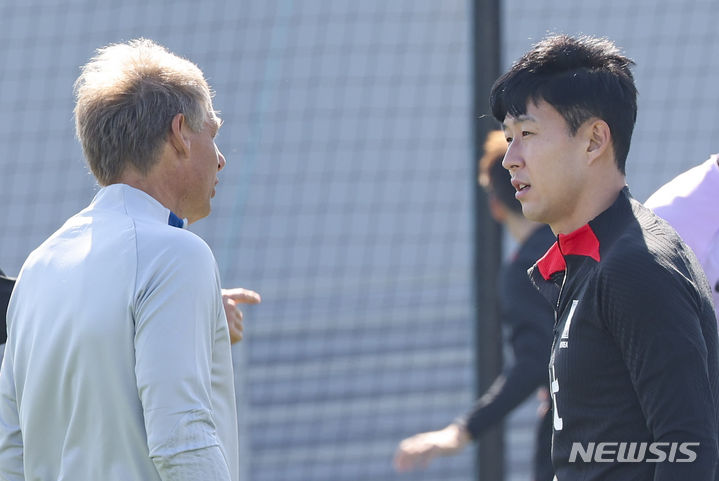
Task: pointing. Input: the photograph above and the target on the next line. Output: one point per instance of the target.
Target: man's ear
(177, 138)
(600, 139)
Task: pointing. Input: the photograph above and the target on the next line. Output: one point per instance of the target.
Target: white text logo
(624, 452)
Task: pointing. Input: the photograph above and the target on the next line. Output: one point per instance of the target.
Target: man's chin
(199, 215)
(527, 211)
(533, 214)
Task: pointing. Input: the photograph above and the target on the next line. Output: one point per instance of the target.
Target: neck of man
(599, 192)
(154, 184)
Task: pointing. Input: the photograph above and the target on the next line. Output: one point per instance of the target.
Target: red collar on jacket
(581, 242)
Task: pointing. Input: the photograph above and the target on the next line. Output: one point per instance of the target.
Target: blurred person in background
(689, 202)
(528, 319)
(118, 362)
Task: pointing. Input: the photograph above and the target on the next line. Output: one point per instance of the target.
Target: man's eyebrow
(518, 119)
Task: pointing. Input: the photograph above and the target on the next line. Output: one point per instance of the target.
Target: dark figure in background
(527, 316)
(6, 285)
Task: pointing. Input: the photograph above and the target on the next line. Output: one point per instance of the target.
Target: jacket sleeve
(175, 317)
(11, 443)
(667, 336)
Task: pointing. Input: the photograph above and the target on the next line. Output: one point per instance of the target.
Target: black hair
(581, 78)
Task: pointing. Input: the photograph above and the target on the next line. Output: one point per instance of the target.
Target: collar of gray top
(175, 221)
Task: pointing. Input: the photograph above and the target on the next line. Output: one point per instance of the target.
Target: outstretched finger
(242, 296)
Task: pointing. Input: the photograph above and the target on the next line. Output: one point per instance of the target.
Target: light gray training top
(118, 363)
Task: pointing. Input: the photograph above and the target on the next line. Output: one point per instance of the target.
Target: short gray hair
(126, 98)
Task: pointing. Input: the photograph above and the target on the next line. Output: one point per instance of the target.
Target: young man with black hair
(528, 318)
(634, 370)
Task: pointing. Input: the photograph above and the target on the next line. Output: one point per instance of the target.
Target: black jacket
(634, 358)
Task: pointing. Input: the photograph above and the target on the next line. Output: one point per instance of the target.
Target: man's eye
(525, 133)
(509, 140)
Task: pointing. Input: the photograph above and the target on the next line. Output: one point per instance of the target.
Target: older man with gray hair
(122, 368)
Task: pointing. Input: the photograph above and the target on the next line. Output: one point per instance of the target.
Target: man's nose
(221, 162)
(512, 158)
